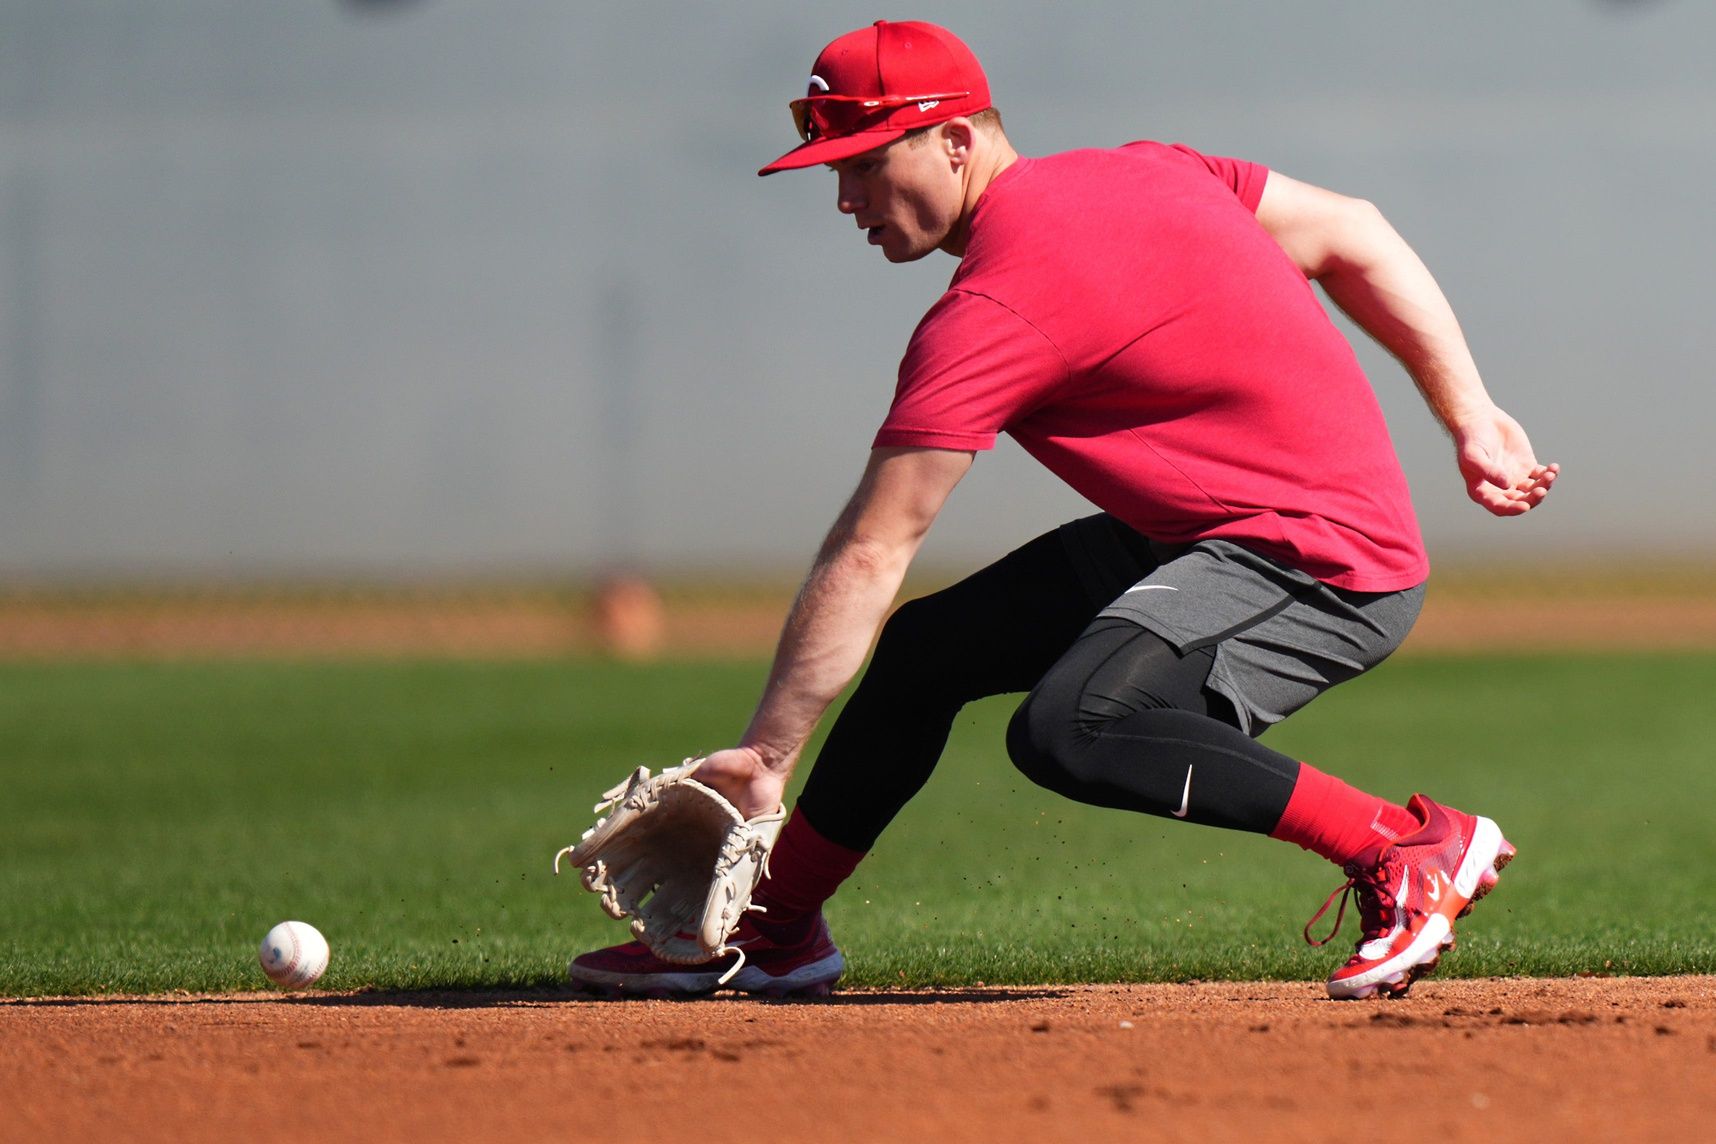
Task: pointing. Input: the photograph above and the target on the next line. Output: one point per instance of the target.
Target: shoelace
(734, 946)
(737, 965)
(1376, 903)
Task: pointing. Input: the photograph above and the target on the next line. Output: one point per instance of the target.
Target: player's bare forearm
(835, 617)
(1384, 287)
(1378, 280)
(1392, 296)
(824, 641)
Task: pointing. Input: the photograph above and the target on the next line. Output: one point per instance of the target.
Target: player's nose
(849, 194)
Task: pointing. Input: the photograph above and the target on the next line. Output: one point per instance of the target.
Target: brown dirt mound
(1581, 1059)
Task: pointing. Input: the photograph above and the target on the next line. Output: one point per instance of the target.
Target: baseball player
(1141, 321)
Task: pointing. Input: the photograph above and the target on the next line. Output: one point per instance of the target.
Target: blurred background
(435, 325)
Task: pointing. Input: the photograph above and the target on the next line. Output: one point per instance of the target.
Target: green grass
(155, 820)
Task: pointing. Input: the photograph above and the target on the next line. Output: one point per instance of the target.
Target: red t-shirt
(1124, 317)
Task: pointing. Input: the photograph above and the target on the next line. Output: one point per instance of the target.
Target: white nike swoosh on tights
(1185, 796)
(1150, 588)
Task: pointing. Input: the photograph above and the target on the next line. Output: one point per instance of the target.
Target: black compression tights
(1115, 716)
(1124, 720)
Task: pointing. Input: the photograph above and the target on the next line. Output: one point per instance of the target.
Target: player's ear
(956, 135)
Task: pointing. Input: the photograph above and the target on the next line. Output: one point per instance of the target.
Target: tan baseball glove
(678, 859)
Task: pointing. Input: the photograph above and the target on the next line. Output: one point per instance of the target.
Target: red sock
(1339, 822)
(804, 871)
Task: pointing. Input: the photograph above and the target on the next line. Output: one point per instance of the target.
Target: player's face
(905, 196)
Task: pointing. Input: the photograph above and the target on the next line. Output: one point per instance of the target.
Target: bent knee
(1057, 743)
(1044, 742)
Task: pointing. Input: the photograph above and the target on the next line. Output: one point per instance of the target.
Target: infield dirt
(1566, 1060)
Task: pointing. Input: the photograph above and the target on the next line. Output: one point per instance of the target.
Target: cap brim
(833, 150)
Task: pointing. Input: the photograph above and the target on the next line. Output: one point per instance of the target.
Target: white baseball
(294, 954)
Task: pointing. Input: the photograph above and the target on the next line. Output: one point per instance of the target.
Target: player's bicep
(1318, 229)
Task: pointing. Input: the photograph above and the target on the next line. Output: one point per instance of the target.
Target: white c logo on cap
(818, 82)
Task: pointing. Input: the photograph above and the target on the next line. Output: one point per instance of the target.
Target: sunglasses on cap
(832, 116)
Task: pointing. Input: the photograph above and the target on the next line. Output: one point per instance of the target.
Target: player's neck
(985, 168)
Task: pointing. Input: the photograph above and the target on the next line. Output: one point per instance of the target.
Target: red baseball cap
(870, 87)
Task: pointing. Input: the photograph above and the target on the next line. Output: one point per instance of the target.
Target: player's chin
(905, 253)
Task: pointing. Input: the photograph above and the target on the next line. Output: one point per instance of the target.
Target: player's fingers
(1499, 501)
(1536, 488)
(1486, 495)
(1537, 474)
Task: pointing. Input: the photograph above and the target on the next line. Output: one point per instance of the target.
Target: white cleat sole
(815, 978)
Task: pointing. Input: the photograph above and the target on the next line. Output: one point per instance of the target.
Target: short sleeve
(1244, 179)
(972, 368)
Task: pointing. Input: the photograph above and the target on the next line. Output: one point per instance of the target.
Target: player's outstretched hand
(1501, 471)
(743, 780)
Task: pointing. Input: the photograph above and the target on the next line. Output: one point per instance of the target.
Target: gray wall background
(457, 287)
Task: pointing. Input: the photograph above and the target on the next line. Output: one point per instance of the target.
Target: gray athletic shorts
(1281, 637)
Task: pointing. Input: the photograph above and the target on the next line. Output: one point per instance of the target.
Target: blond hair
(988, 121)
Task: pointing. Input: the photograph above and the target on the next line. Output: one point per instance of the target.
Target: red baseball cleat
(1409, 899)
(808, 969)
